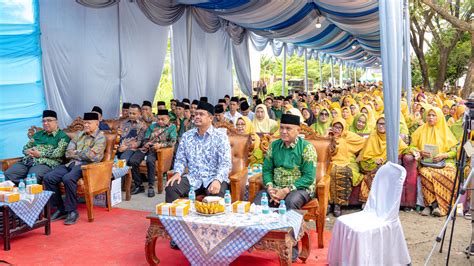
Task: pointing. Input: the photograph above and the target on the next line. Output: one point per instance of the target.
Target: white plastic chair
(373, 236)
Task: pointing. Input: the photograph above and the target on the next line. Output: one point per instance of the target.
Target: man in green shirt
(277, 107)
(43, 152)
(289, 169)
(160, 134)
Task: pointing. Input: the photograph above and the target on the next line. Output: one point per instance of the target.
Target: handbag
(438, 165)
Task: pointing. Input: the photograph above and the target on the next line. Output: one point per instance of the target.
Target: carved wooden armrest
(7, 163)
(165, 158)
(97, 176)
(255, 185)
(237, 184)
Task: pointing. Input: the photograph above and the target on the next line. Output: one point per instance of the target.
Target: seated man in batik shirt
(102, 124)
(43, 152)
(86, 147)
(289, 168)
(219, 118)
(132, 131)
(159, 135)
(125, 109)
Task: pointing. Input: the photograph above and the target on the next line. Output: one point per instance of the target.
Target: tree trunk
(469, 82)
(423, 66)
(442, 66)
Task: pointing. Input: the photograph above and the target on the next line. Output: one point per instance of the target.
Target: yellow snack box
(6, 188)
(34, 189)
(241, 206)
(182, 201)
(172, 209)
(9, 197)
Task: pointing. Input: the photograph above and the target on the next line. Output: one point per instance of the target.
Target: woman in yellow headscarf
(360, 125)
(378, 105)
(344, 169)
(446, 108)
(457, 127)
(457, 114)
(437, 183)
(373, 155)
(336, 112)
(245, 127)
(262, 122)
(346, 115)
(354, 109)
(323, 123)
(367, 109)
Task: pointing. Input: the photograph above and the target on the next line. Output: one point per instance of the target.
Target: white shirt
(232, 118)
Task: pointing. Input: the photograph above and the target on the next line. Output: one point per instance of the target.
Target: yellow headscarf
(256, 155)
(448, 103)
(439, 134)
(376, 146)
(338, 111)
(460, 109)
(370, 115)
(350, 118)
(379, 101)
(348, 144)
(249, 128)
(266, 125)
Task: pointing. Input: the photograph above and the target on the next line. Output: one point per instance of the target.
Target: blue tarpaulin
(21, 81)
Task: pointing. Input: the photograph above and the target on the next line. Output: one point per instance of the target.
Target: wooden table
(11, 225)
(280, 241)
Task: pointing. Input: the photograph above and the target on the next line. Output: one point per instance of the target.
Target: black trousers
(180, 190)
(293, 201)
(134, 159)
(19, 171)
(69, 176)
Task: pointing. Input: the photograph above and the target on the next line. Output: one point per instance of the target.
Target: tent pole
(189, 30)
(283, 79)
(320, 74)
(306, 85)
(332, 72)
(340, 75)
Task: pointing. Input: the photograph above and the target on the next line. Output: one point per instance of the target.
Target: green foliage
(416, 78)
(457, 61)
(164, 91)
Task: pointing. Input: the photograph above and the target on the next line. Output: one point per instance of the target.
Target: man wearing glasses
(43, 152)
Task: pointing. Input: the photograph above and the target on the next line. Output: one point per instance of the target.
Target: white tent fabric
(210, 63)
(88, 61)
(143, 47)
(243, 70)
(373, 236)
(80, 58)
(392, 55)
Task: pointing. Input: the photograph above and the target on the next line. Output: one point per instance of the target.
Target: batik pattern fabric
(369, 168)
(166, 136)
(51, 146)
(84, 148)
(293, 167)
(207, 157)
(437, 186)
(340, 187)
(132, 131)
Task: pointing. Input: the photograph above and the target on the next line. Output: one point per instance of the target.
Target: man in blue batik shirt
(205, 152)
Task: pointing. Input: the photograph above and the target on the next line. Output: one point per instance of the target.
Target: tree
(464, 24)
(419, 20)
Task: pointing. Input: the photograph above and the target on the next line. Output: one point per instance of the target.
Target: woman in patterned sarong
(344, 169)
(437, 183)
(374, 155)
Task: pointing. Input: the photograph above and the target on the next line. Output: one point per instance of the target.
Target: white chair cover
(373, 236)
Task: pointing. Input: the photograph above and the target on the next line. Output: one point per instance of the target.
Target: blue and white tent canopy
(349, 31)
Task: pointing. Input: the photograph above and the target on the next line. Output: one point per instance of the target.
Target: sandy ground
(420, 232)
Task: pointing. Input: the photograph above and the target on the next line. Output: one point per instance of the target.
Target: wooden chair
(96, 177)
(239, 145)
(164, 160)
(317, 207)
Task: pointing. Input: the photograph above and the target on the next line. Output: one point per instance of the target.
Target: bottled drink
(249, 169)
(34, 180)
(22, 187)
(227, 201)
(2, 176)
(282, 211)
(28, 180)
(192, 197)
(264, 203)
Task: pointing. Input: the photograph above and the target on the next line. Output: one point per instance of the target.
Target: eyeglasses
(324, 114)
(48, 120)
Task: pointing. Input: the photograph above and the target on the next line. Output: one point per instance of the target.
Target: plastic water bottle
(192, 197)
(282, 211)
(249, 169)
(34, 180)
(22, 188)
(2, 176)
(115, 162)
(28, 180)
(227, 202)
(264, 203)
